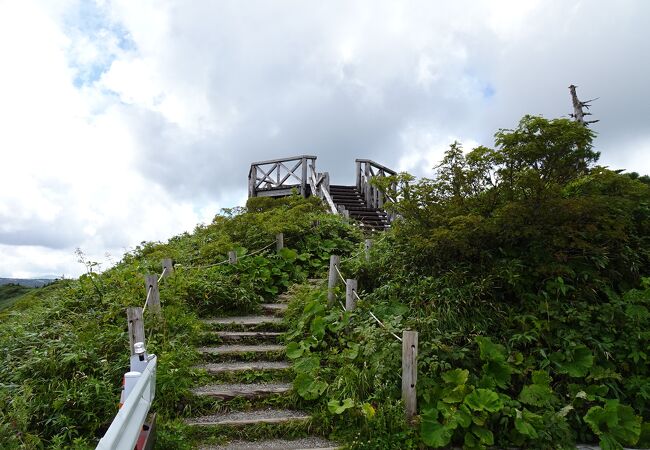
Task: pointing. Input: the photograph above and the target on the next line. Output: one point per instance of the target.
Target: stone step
(274, 308)
(231, 367)
(242, 320)
(309, 443)
(239, 418)
(239, 336)
(227, 391)
(235, 349)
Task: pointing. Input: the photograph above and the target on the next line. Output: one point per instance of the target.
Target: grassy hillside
(9, 293)
(525, 269)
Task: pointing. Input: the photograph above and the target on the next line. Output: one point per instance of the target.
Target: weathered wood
(409, 372)
(136, 326)
(303, 181)
(168, 267)
(332, 279)
(350, 299)
(151, 282)
(232, 257)
(367, 247)
(279, 241)
(578, 112)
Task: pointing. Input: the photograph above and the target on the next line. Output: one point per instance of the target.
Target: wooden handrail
(377, 165)
(269, 177)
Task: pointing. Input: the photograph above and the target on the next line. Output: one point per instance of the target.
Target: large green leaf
(338, 407)
(536, 395)
(309, 387)
(616, 421)
(456, 376)
(490, 351)
(434, 434)
(294, 350)
(307, 364)
(484, 400)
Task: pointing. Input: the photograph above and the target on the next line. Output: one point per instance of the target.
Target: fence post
(335, 260)
(350, 299)
(303, 181)
(368, 245)
(232, 257)
(151, 282)
(136, 326)
(409, 372)
(168, 267)
(279, 241)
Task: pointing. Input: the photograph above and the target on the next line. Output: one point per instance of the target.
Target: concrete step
(233, 367)
(274, 308)
(237, 349)
(241, 336)
(242, 320)
(227, 391)
(309, 443)
(255, 417)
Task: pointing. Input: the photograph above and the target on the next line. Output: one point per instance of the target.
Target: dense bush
(524, 268)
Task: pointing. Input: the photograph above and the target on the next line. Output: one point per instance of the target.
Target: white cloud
(125, 121)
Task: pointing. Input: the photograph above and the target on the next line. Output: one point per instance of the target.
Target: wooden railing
(278, 177)
(319, 183)
(366, 171)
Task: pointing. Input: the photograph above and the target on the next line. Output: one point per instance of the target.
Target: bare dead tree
(579, 107)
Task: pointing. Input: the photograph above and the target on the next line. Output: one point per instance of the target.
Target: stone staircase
(238, 349)
(350, 198)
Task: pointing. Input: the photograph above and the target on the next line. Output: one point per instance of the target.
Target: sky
(125, 121)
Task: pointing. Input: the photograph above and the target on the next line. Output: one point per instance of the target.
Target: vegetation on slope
(525, 270)
(65, 347)
(9, 293)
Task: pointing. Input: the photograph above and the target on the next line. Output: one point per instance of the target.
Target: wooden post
(350, 299)
(168, 267)
(232, 257)
(151, 282)
(368, 245)
(252, 182)
(303, 181)
(367, 185)
(409, 372)
(279, 241)
(136, 326)
(359, 175)
(333, 279)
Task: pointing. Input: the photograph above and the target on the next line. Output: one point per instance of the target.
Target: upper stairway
(361, 202)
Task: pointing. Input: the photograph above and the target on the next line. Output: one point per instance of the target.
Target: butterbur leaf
(317, 327)
(524, 427)
(484, 435)
(498, 371)
(294, 350)
(541, 378)
(484, 400)
(456, 376)
(489, 350)
(577, 364)
(536, 395)
(337, 407)
(434, 434)
(615, 421)
(352, 352)
(309, 387)
(455, 394)
(307, 365)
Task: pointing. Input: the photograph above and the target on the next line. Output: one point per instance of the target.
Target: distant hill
(10, 292)
(27, 282)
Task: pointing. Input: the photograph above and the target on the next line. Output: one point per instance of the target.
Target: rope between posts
(384, 326)
(146, 302)
(162, 274)
(339, 272)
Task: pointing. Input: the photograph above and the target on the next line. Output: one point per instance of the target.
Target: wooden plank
(409, 372)
(136, 326)
(279, 241)
(289, 159)
(283, 192)
(332, 279)
(151, 282)
(350, 298)
(303, 181)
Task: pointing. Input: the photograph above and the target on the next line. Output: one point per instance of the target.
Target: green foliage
(9, 293)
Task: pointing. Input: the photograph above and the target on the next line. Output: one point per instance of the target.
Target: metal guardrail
(125, 430)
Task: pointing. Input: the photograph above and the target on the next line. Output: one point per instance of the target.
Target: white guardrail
(127, 425)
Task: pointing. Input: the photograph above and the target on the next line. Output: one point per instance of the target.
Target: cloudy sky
(131, 120)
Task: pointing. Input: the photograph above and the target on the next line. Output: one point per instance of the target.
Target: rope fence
(409, 338)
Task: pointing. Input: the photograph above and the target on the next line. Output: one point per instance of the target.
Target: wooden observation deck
(362, 201)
